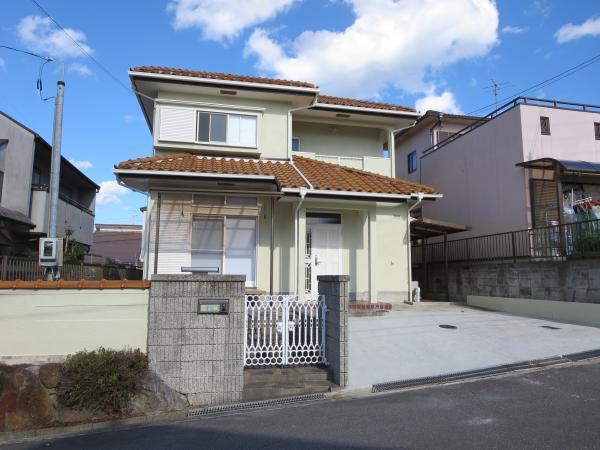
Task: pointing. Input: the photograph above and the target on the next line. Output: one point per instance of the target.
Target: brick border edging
(79, 284)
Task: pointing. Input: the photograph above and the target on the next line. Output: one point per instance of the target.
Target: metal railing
(555, 242)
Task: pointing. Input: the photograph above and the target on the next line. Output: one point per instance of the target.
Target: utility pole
(54, 271)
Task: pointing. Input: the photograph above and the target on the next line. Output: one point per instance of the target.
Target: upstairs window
(412, 162)
(227, 129)
(295, 144)
(443, 135)
(545, 125)
(597, 130)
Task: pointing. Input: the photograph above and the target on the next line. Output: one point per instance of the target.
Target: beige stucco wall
(374, 246)
(272, 123)
(61, 322)
(569, 312)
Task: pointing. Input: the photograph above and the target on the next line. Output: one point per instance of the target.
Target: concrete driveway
(408, 342)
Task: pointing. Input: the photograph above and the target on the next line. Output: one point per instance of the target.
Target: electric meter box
(51, 252)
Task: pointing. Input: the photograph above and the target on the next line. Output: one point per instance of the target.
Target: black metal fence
(571, 240)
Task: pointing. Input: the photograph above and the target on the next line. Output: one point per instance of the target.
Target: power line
(45, 58)
(546, 82)
(86, 53)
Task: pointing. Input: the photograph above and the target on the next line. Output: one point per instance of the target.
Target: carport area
(408, 342)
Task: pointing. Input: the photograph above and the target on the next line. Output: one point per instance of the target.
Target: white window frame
(227, 114)
(223, 260)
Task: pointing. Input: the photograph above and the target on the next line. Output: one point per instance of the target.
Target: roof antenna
(495, 89)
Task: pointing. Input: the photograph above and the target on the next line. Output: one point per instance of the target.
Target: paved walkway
(408, 342)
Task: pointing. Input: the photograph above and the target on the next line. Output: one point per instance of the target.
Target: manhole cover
(448, 327)
(549, 327)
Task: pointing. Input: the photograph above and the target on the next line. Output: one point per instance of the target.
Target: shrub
(587, 241)
(102, 380)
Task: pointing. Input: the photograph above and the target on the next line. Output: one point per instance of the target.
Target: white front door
(324, 252)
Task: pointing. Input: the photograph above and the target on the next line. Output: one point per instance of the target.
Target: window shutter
(544, 202)
(177, 124)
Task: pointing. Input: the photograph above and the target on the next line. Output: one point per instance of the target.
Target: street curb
(13, 437)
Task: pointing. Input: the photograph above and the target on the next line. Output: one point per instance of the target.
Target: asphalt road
(552, 408)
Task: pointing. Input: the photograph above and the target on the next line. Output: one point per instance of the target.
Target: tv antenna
(495, 89)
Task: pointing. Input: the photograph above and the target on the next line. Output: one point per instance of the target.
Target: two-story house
(268, 178)
(531, 163)
(25, 159)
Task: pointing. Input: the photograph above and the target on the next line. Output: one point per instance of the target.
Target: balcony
(70, 215)
(379, 165)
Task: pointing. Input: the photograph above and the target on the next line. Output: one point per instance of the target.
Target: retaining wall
(38, 324)
(565, 281)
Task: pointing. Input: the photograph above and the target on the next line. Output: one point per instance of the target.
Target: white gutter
(361, 194)
(359, 109)
(191, 174)
(278, 87)
(420, 197)
(296, 239)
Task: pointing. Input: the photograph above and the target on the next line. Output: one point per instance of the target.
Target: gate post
(196, 335)
(334, 289)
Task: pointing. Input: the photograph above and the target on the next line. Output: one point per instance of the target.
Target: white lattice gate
(284, 330)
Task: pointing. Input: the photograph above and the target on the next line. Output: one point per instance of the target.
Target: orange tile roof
(331, 177)
(341, 101)
(321, 175)
(284, 173)
(221, 76)
(326, 99)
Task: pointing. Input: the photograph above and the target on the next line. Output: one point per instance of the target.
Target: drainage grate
(260, 404)
(550, 327)
(448, 327)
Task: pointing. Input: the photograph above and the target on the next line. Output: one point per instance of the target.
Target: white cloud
(223, 19)
(130, 118)
(569, 32)
(110, 192)
(389, 44)
(509, 29)
(445, 102)
(2, 65)
(80, 69)
(538, 8)
(41, 35)
(81, 165)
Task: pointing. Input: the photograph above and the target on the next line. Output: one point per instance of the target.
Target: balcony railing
(375, 164)
(556, 242)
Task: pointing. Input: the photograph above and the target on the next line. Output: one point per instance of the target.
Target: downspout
(296, 239)
(420, 196)
(272, 245)
(157, 233)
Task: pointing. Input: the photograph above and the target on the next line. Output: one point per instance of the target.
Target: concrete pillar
(334, 288)
(198, 355)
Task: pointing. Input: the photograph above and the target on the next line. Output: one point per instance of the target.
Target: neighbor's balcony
(70, 214)
(380, 165)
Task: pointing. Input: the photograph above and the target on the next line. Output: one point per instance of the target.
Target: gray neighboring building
(25, 159)
(529, 164)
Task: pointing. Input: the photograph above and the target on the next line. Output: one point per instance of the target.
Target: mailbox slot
(213, 306)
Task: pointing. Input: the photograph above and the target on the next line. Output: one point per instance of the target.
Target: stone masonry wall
(568, 281)
(199, 355)
(335, 290)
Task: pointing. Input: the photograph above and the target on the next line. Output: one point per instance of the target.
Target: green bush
(587, 241)
(102, 380)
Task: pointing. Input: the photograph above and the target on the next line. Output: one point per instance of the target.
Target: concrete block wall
(335, 290)
(199, 355)
(566, 281)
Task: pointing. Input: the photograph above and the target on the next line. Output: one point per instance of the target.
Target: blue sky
(428, 54)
